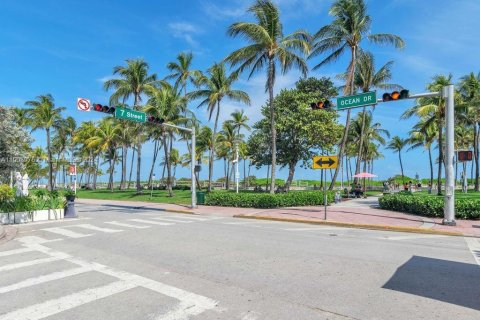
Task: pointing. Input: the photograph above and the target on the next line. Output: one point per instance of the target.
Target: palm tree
(45, 115)
(166, 103)
(423, 136)
(432, 111)
(181, 71)
(269, 47)
(228, 139)
(350, 26)
(397, 144)
(367, 78)
(85, 131)
(239, 121)
(213, 89)
(134, 80)
(469, 88)
(106, 140)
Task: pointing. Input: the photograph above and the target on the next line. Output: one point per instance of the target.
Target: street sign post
(129, 114)
(325, 162)
(358, 100)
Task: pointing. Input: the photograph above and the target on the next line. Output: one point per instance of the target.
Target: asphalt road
(116, 263)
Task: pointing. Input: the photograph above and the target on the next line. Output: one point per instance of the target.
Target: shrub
(429, 206)
(6, 193)
(266, 200)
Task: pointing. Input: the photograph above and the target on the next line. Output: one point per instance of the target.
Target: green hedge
(430, 206)
(266, 200)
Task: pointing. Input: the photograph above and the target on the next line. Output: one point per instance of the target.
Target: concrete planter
(24, 217)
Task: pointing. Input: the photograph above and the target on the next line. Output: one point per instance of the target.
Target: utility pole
(449, 209)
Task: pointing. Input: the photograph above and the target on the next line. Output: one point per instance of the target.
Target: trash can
(200, 197)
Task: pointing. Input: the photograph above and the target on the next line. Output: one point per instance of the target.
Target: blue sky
(68, 48)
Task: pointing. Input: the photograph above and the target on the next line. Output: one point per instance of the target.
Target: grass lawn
(160, 196)
(472, 195)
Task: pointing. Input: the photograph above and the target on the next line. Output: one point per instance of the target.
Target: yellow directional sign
(325, 162)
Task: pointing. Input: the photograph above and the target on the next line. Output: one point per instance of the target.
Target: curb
(358, 226)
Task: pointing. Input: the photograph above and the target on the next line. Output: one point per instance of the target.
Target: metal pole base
(449, 223)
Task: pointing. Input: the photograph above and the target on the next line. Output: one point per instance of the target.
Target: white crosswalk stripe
(19, 265)
(151, 222)
(128, 225)
(54, 306)
(194, 218)
(189, 305)
(171, 220)
(67, 233)
(42, 279)
(15, 251)
(95, 228)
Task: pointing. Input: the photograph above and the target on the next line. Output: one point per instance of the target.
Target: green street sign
(358, 100)
(129, 114)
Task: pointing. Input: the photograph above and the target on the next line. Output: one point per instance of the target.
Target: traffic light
(395, 95)
(321, 105)
(105, 109)
(156, 120)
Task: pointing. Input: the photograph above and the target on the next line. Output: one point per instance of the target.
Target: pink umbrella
(364, 175)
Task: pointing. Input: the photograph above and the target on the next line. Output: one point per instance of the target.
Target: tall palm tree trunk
(50, 164)
(212, 149)
(139, 160)
(156, 149)
(401, 166)
(167, 164)
(351, 77)
(360, 147)
(272, 123)
(431, 164)
(124, 167)
(131, 169)
(244, 175)
(95, 174)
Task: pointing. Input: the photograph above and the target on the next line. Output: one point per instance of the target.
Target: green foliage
(6, 193)
(266, 200)
(40, 200)
(429, 206)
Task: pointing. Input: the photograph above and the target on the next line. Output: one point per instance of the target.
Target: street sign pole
(325, 192)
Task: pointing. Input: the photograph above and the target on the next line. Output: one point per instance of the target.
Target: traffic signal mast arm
(416, 96)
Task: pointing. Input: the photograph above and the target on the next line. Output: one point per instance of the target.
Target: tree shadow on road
(448, 281)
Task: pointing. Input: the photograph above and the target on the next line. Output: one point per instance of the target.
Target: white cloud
(216, 12)
(185, 31)
(106, 78)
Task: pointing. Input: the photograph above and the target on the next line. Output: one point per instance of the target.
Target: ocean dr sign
(359, 100)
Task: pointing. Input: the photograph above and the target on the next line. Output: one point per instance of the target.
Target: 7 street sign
(359, 100)
(129, 114)
(325, 162)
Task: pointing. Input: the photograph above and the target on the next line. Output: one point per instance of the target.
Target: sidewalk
(360, 213)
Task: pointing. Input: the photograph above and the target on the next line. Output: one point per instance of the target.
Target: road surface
(120, 263)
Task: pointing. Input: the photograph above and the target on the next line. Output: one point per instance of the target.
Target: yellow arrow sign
(325, 162)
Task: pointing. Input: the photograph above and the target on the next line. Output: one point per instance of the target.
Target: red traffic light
(105, 109)
(321, 105)
(395, 95)
(153, 119)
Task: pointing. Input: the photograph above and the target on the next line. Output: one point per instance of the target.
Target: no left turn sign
(83, 104)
